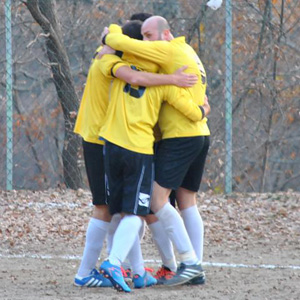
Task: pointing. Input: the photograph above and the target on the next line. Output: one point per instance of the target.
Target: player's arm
(159, 52)
(206, 106)
(113, 66)
(110, 62)
(178, 78)
(105, 50)
(180, 99)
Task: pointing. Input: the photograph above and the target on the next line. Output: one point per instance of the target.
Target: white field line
(55, 204)
(153, 261)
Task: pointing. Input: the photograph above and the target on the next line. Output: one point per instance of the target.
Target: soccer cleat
(143, 281)
(114, 274)
(163, 274)
(127, 275)
(184, 274)
(197, 280)
(95, 279)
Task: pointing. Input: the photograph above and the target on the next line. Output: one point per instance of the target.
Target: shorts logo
(144, 199)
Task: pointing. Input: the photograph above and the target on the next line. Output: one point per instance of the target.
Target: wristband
(103, 40)
(202, 110)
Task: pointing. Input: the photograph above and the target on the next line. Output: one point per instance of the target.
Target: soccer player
(128, 131)
(181, 155)
(90, 118)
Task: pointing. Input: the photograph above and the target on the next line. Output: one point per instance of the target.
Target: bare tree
(266, 72)
(44, 14)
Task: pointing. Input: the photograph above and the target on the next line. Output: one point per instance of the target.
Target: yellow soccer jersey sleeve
(108, 62)
(170, 56)
(159, 52)
(114, 28)
(93, 104)
(181, 100)
(172, 123)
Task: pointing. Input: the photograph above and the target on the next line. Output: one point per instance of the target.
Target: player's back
(94, 104)
(171, 122)
(132, 111)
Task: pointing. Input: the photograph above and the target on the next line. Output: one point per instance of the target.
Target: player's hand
(105, 50)
(206, 106)
(182, 79)
(206, 100)
(104, 33)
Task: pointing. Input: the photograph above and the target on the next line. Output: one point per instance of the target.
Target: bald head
(156, 28)
(157, 21)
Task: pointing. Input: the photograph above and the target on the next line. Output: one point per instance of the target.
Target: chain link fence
(250, 50)
(9, 108)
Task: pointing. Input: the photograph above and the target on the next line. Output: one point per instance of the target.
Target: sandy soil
(42, 238)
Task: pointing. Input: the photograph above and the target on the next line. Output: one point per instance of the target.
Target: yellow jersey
(169, 56)
(133, 110)
(94, 104)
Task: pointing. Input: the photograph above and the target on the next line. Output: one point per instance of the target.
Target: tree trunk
(274, 94)
(44, 14)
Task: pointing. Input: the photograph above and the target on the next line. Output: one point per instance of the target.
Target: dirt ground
(251, 248)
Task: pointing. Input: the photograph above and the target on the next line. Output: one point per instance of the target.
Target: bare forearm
(150, 79)
(142, 78)
(178, 78)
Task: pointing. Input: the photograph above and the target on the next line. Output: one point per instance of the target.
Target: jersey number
(136, 93)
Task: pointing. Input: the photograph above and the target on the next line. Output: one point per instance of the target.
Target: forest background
(52, 46)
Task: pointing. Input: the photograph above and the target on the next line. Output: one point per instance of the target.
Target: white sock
(175, 229)
(136, 258)
(124, 238)
(164, 245)
(126, 263)
(142, 230)
(194, 226)
(95, 236)
(114, 223)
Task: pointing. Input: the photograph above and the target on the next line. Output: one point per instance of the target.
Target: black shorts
(179, 162)
(94, 165)
(129, 180)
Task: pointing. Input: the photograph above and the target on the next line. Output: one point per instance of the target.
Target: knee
(101, 212)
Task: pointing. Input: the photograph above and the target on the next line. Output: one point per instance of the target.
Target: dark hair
(133, 29)
(140, 16)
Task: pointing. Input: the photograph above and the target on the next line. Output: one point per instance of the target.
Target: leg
(124, 238)
(192, 219)
(135, 260)
(114, 223)
(187, 202)
(172, 222)
(163, 243)
(141, 277)
(134, 172)
(186, 197)
(87, 275)
(95, 235)
(173, 160)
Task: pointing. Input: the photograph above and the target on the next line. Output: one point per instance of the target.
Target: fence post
(228, 98)
(9, 98)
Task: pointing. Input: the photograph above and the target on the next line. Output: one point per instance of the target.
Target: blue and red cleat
(143, 281)
(94, 279)
(115, 275)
